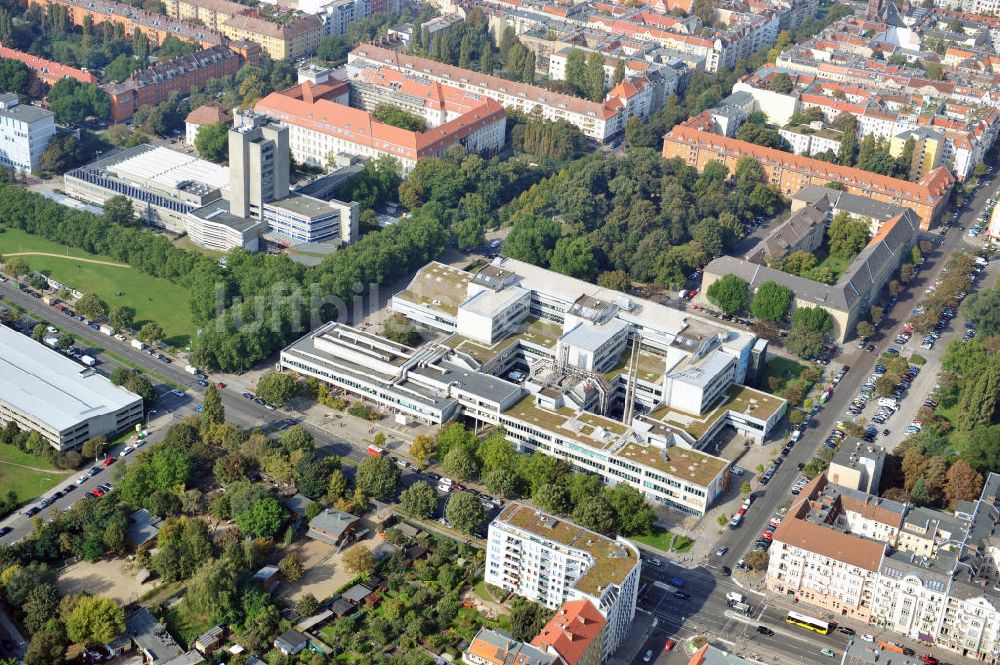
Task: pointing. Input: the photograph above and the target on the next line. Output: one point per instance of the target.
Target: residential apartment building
(291, 40)
(928, 147)
(600, 121)
(47, 71)
(153, 85)
(25, 132)
(323, 121)
(155, 26)
(45, 391)
(591, 354)
(552, 561)
(922, 573)
(694, 142)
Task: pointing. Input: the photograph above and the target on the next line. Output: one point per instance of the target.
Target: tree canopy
(728, 293)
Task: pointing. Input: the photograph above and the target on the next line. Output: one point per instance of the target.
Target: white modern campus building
(43, 390)
(552, 561)
(25, 132)
(626, 389)
(220, 207)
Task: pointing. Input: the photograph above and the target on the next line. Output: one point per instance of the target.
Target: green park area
(665, 540)
(26, 474)
(147, 298)
(783, 369)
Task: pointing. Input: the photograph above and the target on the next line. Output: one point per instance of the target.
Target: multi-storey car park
(67, 403)
(626, 389)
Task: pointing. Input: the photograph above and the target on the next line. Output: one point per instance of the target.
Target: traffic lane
(86, 335)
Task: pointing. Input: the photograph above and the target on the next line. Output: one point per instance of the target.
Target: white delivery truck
(888, 403)
(137, 345)
(88, 361)
(107, 330)
(191, 369)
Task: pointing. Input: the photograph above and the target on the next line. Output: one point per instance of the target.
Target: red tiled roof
(297, 106)
(47, 70)
(571, 631)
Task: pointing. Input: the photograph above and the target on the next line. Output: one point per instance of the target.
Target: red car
(767, 534)
(109, 461)
(929, 660)
(741, 511)
(220, 385)
(96, 492)
(669, 646)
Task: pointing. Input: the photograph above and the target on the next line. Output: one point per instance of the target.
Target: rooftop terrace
(613, 561)
(691, 465)
(534, 331)
(587, 428)
(439, 287)
(740, 399)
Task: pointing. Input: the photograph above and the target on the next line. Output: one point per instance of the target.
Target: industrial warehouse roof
(50, 387)
(166, 167)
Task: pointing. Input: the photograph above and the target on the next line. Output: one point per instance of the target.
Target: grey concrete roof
(151, 637)
(291, 640)
(491, 388)
(330, 523)
(142, 527)
(861, 206)
(857, 282)
(218, 212)
(51, 387)
(26, 113)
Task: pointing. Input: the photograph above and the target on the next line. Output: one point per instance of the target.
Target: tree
(212, 142)
(62, 154)
(963, 483)
(92, 448)
(422, 449)
(729, 293)
(120, 318)
(46, 647)
(803, 342)
(461, 463)
(358, 559)
(814, 319)
(594, 76)
(118, 210)
(619, 74)
(864, 329)
(276, 387)
(307, 605)
(464, 512)
(16, 266)
(151, 333)
(95, 620)
(336, 486)
(377, 477)
(73, 101)
(633, 516)
(419, 499)
(596, 514)
(781, 82)
(91, 307)
(400, 329)
(40, 606)
(526, 620)
(291, 567)
(503, 481)
(846, 236)
(212, 411)
(297, 437)
(552, 498)
(263, 519)
(576, 69)
(771, 301)
(575, 257)
(616, 280)
(214, 590)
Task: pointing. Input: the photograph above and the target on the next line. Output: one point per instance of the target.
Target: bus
(808, 622)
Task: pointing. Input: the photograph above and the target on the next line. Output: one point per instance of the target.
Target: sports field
(26, 474)
(148, 298)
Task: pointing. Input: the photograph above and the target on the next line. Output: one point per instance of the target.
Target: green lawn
(27, 483)
(784, 369)
(660, 539)
(837, 265)
(148, 298)
(185, 626)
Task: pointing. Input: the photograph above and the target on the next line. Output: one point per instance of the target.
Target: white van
(734, 597)
(888, 403)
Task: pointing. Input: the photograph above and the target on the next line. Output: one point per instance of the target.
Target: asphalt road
(707, 611)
